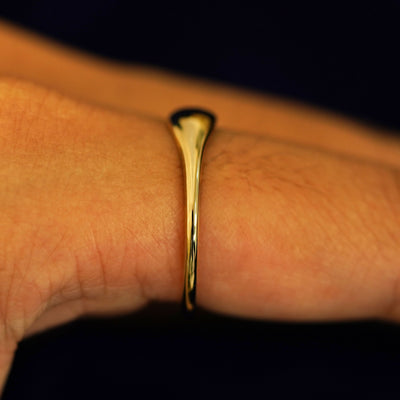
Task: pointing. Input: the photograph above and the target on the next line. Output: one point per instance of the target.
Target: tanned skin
(299, 208)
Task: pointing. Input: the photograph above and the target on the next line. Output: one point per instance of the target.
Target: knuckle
(32, 270)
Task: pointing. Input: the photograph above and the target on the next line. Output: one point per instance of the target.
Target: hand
(92, 220)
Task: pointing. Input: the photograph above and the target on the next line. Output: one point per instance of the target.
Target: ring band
(191, 128)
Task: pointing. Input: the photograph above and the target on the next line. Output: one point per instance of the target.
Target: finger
(290, 233)
(156, 93)
(316, 236)
(286, 232)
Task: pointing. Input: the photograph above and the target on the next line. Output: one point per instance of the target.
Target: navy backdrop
(341, 56)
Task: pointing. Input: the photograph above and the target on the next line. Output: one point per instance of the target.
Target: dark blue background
(342, 56)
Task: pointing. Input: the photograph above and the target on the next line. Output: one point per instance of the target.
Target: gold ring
(191, 128)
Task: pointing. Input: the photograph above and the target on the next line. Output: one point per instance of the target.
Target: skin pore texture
(299, 210)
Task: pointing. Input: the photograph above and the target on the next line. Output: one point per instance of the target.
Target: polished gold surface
(191, 127)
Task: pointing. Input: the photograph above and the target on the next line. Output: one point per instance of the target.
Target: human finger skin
(286, 231)
(92, 220)
(155, 92)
